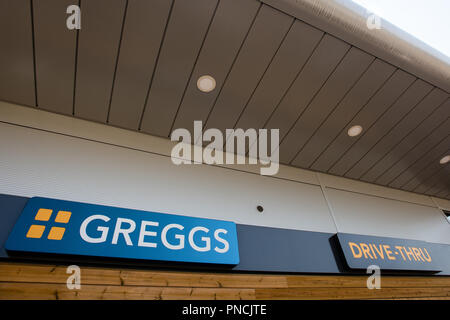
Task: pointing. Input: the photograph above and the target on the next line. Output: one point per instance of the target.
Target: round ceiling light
(445, 159)
(354, 131)
(206, 83)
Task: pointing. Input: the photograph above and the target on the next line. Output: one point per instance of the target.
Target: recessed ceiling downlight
(206, 83)
(354, 131)
(445, 159)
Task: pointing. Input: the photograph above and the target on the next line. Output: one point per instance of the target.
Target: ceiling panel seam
(264, 73)
(419, 159)
(405, 137)
(392, 128)
(334, 108)
(289, 87)
(193, 67)
(438, 193)
(439, 172)
(269, 45)
(373, 123)
(314, 96)
(445, 186)
(293, 81)
(439, 185)
(232, 65)
(226, 72)
(34, 53)
(362, 107)
(257, 85)
(426, 182)
(156, 64)
(117, 60)
(441, 193)
(75, 67)
(410, 150)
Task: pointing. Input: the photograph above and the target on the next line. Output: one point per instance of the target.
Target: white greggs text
(123, 227)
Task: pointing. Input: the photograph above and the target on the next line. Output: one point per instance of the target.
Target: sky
(427, 20)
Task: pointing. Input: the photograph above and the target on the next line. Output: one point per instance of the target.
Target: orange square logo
(35, 231)
(56, 233)
(63, 216)
(43, 214)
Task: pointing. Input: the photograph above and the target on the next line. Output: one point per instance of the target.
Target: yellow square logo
(63, 216)
(43, 214)
(56, 233)
(35, 231)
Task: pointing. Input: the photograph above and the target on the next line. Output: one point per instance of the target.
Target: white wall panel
(39, 163)
(374, 189)
(39, 119)
(369, 215)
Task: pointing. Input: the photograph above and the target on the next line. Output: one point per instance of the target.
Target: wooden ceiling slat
(98, 44)
(317, 70)
(436, 182)
(415, 105)
(188, 25)
(433, 153)
(427, 105)
(17, 82)
(425, 127)
(421, 182)
(220, 50)
(264, 40)
(345, 76)
(142, 35)
(373, 79)
(441, 184)
(285, 67)
(366, 117)
(444, 192)
(383, 124)
(422, 147)
(55, 47)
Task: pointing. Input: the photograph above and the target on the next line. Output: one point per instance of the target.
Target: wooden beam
(40, 281)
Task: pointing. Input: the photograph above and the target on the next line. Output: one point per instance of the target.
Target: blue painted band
(261, 249)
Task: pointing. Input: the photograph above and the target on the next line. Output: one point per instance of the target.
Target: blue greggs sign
(65, 227)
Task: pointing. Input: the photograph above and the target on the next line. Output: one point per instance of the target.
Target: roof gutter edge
(348, 21)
